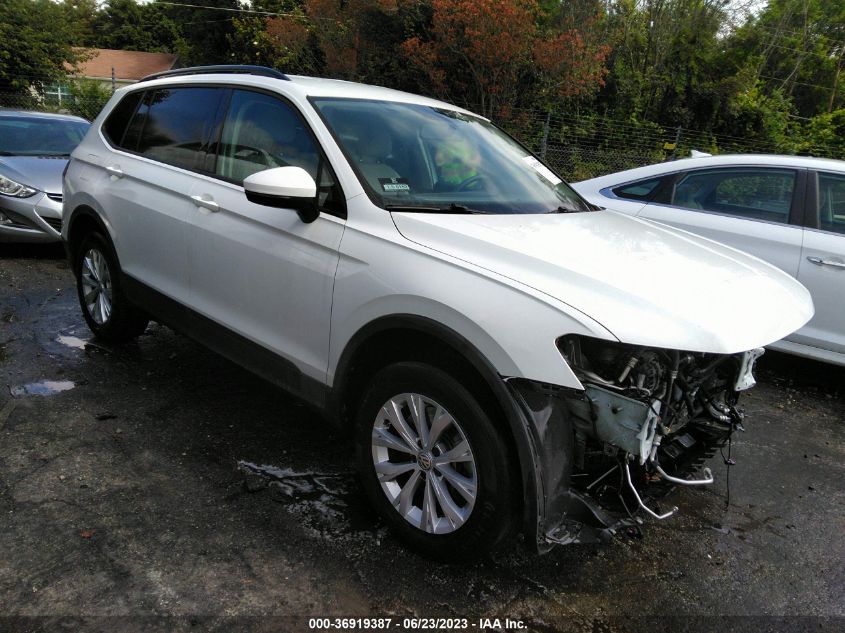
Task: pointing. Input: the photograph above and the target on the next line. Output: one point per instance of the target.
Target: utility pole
(545, 141)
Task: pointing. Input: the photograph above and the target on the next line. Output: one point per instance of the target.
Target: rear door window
(751, 193)
(177, 125)
(832, 203)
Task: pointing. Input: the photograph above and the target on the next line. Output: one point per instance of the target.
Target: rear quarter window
(116, 123)
(644, 190)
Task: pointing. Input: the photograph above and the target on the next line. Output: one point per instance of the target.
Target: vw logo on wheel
(425, 460)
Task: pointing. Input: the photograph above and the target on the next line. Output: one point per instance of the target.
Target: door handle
(115, 171)
(818, 261)
(206, 202)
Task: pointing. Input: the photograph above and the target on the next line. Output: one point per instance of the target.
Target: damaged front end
(646, 421)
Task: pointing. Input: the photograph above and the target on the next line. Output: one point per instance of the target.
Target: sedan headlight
(9, 187)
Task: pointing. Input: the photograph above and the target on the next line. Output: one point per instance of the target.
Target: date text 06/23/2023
(415, 624)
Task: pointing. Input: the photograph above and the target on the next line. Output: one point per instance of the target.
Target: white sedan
(786, 210)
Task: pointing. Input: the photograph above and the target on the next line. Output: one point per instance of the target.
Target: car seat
(374, 148)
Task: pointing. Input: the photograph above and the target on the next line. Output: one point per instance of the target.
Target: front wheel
(433, 463)
(107, 312)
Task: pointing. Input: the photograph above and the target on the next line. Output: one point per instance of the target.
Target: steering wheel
(255, 155)
(472, 183)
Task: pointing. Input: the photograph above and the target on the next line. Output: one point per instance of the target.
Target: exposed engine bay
(645, 422)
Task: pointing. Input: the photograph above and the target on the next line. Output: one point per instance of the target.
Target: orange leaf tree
(491, 54)
(333, 38)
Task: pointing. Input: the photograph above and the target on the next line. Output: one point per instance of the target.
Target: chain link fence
(585, 146)
(84, 99)
(576, 146)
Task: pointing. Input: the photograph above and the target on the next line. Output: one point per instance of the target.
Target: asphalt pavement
(157, 485)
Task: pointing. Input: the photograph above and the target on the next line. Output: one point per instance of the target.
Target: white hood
(646, 283)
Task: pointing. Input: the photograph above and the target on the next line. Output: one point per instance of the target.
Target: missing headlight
(667, 409)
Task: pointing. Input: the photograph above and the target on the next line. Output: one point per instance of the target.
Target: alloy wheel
(96, 286)
(424, 463)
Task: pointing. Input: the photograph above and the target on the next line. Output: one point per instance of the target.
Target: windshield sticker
(541, 169)
(395, 185)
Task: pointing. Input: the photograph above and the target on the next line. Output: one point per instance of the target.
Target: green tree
(824, 135)
(204, 35)
(798, 48)
(665, 60)
(81, 17)
(765, 118)
(127, 25)
(87, 98)
(35, 45)
(284, 41)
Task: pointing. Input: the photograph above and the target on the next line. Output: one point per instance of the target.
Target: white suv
(498, 347)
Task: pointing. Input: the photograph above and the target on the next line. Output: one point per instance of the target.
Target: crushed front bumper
(584, 496)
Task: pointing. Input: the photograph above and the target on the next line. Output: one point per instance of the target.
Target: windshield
(36, 136)
(412, 156)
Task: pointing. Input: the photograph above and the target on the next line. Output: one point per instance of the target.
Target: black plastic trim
(306, 208)
(72, 219)
(220, 339)
(797, 213)
(811, 201)
(234, 69)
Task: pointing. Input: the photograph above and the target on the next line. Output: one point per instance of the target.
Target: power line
(249, 11)
(803, 52)
(799, 83)
(800, 34)
(228, 9)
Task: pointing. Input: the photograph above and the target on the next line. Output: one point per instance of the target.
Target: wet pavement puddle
(42, 388)
(330, 502)
(64, 344)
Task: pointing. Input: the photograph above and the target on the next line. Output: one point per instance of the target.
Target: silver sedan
(786, 210)
(34, 149)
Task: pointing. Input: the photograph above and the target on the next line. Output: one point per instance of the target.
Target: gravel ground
(158, 486)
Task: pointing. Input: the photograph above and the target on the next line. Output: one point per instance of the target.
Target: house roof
(128, 65)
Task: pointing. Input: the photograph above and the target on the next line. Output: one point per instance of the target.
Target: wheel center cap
(425, 460)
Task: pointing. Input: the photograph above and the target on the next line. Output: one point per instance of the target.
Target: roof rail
(243, 69)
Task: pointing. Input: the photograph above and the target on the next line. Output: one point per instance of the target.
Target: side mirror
(286, 188)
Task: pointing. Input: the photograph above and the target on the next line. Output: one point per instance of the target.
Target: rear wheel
(432, 462)
(107, 312)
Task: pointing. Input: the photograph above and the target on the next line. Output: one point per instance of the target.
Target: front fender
(514, 329)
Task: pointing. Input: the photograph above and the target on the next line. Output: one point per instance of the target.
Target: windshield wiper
(452, 208)
(566, 209)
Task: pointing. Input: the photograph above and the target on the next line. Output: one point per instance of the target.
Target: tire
(107, 312)
(466, 488)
